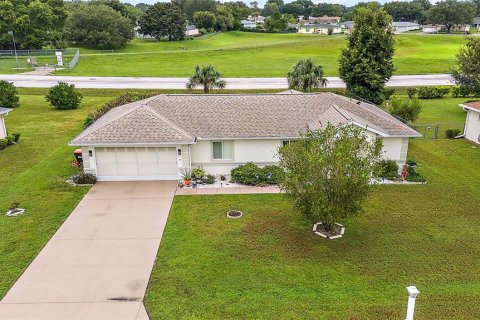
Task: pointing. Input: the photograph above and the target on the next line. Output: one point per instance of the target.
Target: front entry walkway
(98, 263)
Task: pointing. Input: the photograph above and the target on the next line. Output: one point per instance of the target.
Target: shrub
(388, 92)
(387, 169)
(16, 137)
(251, 174)
(198, 173)
(432, 92)
(406, 109)
(459, 91)
(411, 92)
(8, 95)
(452, 133)
(411, 163)
(413, 175)
(64, 96)
(10, 140)
(209, 179)
(128, 97)
(3, 143)
(84, 178)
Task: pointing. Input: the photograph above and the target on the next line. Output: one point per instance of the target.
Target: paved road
(33, 81)
(98, 264)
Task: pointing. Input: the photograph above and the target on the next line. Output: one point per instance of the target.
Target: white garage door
(137, 163)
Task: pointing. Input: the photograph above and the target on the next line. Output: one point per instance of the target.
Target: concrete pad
(98, 264)
(73, 311)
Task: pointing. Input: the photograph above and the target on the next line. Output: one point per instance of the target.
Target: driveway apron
(98, 263)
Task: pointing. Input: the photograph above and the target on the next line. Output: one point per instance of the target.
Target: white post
(412, 295)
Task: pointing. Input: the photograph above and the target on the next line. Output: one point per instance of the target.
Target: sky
(347, 3)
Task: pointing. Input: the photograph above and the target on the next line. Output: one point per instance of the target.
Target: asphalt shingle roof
(182, 118)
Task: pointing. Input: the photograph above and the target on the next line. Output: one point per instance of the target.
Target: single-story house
(3, 128)
(436, 28)
(319, 28)
(403, 26)
(256, 19)
(476, 22)
(153, 139)
(323, 20)
(472, 123)
(191, 31)
(248, 24)
(346, 24)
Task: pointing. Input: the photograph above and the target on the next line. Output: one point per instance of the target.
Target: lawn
(244, 54)
(268, 265)
(34, 173)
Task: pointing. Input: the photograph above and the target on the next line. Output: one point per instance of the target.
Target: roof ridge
(168, 121)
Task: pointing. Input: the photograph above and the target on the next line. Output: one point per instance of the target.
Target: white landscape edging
(342, 231)
(15, 212)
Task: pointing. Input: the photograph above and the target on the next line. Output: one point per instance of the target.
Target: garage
(136, 163)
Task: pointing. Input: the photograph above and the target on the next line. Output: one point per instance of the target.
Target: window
(287, 142)
(222, 150)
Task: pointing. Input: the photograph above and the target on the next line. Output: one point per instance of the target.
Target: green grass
(244, 54)
(268, 265)
(34, 173)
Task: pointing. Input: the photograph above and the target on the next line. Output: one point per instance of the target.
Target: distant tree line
(109, 24)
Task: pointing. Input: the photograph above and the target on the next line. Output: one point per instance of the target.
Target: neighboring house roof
(191, 27)
(404, 24)
(4, 110)
(184, 118)
(347, 23)
(321, 25)
(476, 20)
(472, 105)
(247, 22)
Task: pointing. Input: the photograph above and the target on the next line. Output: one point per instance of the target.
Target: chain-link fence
(437, 130)
(14, 61)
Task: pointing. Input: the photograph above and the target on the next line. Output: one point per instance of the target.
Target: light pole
(412, 295)
(14, 47)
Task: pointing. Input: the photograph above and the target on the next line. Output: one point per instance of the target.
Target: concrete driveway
(98, 263)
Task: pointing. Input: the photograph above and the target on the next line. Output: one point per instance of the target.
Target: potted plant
(198, 173)
(187, 176)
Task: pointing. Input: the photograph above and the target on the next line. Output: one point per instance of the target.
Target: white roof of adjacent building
(404, 24)
(183, 118)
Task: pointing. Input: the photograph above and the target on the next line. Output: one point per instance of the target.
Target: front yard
(34, 173)
(268, 265)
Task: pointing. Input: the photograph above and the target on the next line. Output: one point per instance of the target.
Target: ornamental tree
(8, 95)
(467, 72)
(206, 76)
(164, 20)
(64, 96)
(306, 76)
(451, 12)
(327, 172)
(367, 62)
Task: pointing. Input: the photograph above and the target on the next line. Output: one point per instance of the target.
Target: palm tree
(208, 76)
(306, 76)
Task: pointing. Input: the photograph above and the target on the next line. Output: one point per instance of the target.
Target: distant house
(476, 22)
(257, 19)
(248, 24)
(346, 24)
(472, 123)
(323, 20)
(192, 31)
(403, 26)
(3, 128)
(436, 28)
(319, 28)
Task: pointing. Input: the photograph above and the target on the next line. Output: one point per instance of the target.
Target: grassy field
(243, 54)
(268, 265)
(34, 173)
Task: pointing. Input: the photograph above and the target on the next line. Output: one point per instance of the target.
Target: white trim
(130, 144)
(469, 108)
(137, 178)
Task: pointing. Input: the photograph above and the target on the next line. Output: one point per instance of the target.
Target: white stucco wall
(472, 128)
(264, 152)
(3, 129)
(261, 152)
(395, 149)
